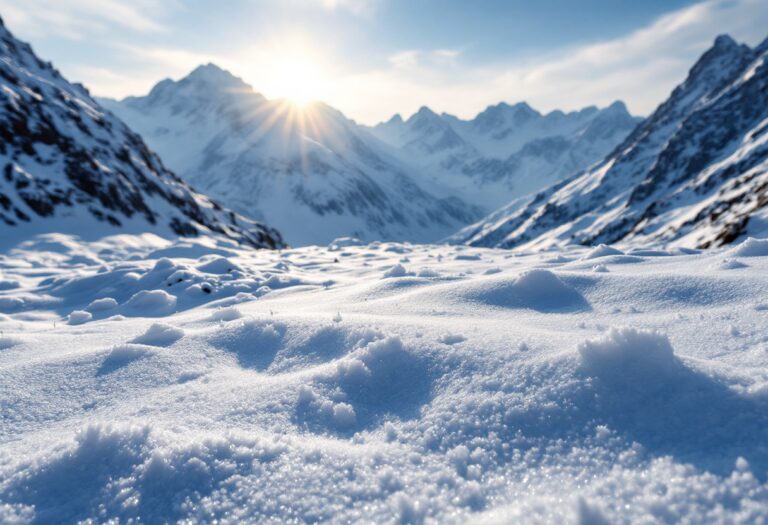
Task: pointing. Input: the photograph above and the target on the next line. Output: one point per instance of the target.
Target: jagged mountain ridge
(313, 173)
(694, 173)
(69, 165)
(506, 151)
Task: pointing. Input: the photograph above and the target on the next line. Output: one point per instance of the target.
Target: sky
(374, 58)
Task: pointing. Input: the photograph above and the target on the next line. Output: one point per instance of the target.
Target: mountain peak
(521, 106)
(618, 106)
(424, 111)
(212, 75)
(725, 41)
(204, 81)
(424, 116)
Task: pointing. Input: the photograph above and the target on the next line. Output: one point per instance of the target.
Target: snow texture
(221, 383)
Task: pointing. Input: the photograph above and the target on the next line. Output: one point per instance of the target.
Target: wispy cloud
(640, 68)
(77, 18)
(413, 59)
(360, 7)
(152, 64)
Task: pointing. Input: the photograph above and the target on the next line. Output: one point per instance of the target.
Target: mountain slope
(312, 173)
(67, 165)
(694, 173)
(506, 151)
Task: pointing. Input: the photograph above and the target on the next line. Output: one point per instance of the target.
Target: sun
(297, 80)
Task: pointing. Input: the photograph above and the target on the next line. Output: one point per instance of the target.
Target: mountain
(69, 165)
(311, 172)
(506, 151)
(692, 174)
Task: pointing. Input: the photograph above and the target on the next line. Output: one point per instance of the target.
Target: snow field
(494, 387)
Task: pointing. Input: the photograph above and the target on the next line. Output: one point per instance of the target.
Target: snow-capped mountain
(312, 173)
(694, 173)
(69, 165)
(507, 151)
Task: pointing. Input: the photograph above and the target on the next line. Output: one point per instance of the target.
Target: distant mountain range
(70, 166)
(694, 173)
(506, 151)
(317, 175)
(313, 173)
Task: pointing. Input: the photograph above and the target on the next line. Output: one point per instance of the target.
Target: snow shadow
(254, 343)
(123, 355)
(382, 380)
(645, 392)
(539, 290)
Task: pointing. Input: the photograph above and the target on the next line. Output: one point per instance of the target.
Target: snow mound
(160, 334)
(452, 339)
(751, 248)
(121, 355)
(100, 305)
(602, 250)
(538, 289)
(397, 270)
(730, 264)
(218, 266)
(629, 355)
(79, 317)
(230, 313)
(152, 302)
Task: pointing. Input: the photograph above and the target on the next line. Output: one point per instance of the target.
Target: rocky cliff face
(694, 173)
(69, 165)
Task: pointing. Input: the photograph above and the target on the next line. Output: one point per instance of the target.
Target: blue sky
(373, 58)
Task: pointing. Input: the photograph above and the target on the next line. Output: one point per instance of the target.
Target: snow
(510, 387)
(99, 305)
(751, 247)
(629, 356)
(602, 250)
(160, 334)
(321, 175)
(156, 302)
(79, 317)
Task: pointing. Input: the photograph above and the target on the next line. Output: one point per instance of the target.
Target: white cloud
(359, 7)
(446, 54)
(640, 68)
(75, 18)
(405, 59)
(422, 60)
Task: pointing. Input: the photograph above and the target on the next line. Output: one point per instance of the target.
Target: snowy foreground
(389, 383)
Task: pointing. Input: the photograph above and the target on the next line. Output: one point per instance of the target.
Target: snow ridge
(694, 173)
